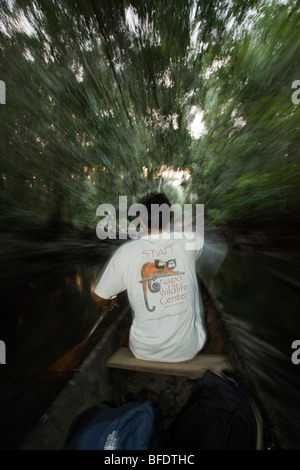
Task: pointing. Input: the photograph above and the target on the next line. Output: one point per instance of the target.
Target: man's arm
(111, 282)
(104, 303)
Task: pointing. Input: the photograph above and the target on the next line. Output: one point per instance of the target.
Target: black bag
(123, 424)
(219, 415)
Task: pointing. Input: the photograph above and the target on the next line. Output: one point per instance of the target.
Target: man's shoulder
(188, 234)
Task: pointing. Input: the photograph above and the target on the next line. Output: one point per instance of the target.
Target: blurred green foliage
(246, 166)
(99, 101)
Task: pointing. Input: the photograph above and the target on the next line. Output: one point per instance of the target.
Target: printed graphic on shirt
(153, 270)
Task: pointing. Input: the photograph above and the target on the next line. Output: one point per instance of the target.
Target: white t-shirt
(159, 275)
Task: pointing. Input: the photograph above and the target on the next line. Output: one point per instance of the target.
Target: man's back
(159, 275)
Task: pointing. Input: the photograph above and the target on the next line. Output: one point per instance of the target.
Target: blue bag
(117, 425)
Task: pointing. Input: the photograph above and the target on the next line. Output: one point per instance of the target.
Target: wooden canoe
(110, 370)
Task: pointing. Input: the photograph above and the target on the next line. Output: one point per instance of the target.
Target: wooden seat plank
(124, 359)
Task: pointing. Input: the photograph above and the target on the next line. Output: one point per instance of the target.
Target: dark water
(45, 313)
(43, 316)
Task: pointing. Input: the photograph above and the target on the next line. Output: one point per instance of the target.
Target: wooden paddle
(72, 359)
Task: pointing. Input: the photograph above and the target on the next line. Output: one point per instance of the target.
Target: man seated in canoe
(158, 271)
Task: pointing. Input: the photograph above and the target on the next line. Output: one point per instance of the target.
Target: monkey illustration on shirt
(151, 271)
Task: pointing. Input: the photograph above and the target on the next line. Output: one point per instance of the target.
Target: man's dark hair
(148, 201)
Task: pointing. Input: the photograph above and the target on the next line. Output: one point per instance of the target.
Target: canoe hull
(94, 382)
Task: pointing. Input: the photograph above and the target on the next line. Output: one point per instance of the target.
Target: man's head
(158, 208)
